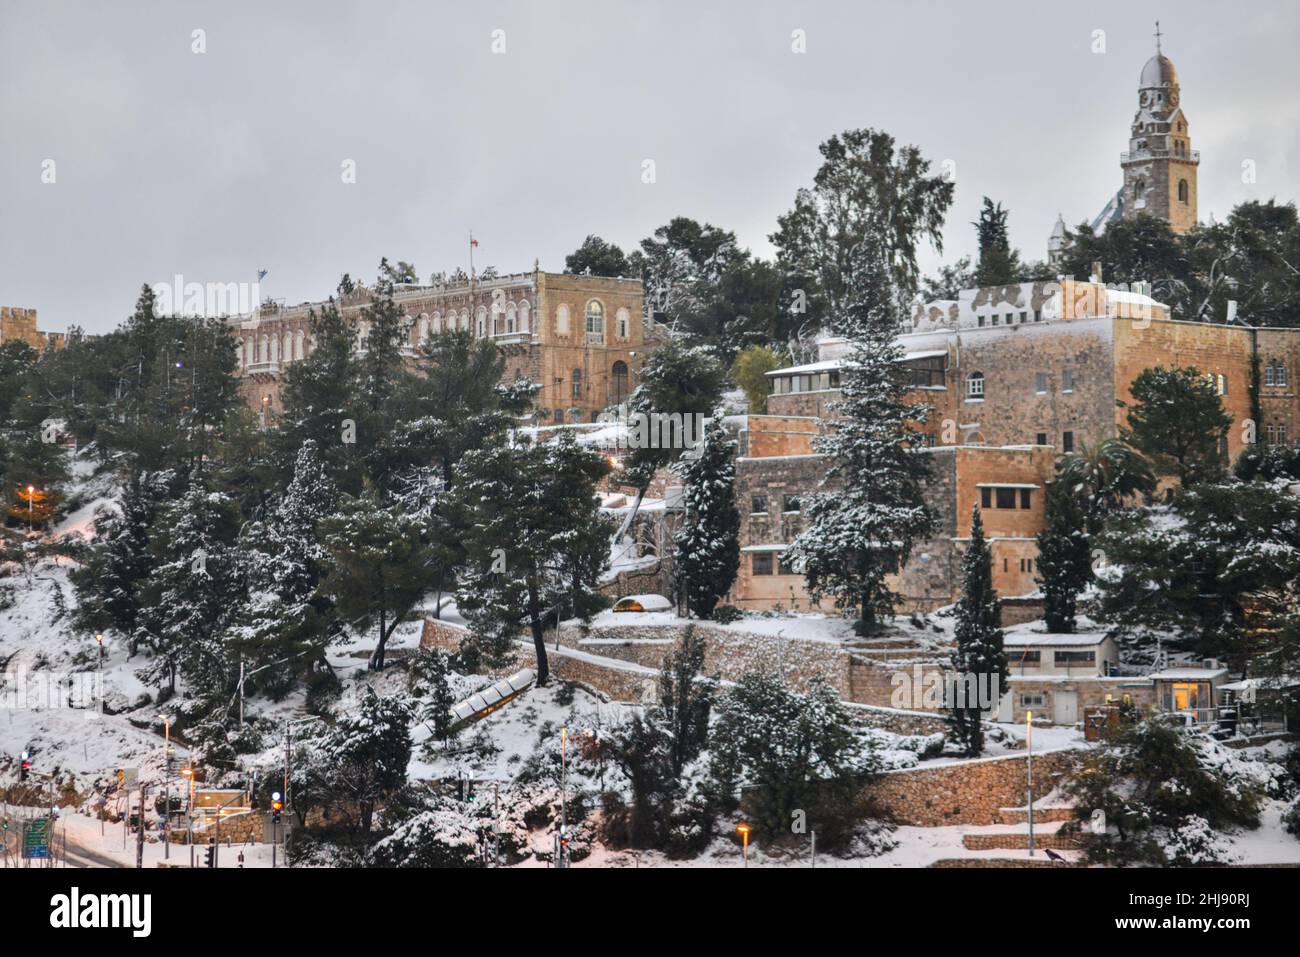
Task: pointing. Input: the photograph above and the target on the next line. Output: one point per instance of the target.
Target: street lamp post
(31, 500)
(1029, 767)
(743, 830)
(564, 791)
(99, 639)
(167, 788)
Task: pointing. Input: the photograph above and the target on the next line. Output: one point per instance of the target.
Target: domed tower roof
(1159, 71)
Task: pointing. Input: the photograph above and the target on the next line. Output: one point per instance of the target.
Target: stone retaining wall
(972, 792)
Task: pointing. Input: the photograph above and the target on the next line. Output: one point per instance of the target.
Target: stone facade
(18, 323)
(969, 792)
(581, 338)
(1160, 165)
(1041, 694)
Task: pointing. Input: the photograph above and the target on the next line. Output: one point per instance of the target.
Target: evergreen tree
(685, 700)
(1064, 557)
(1177, 420)
(192, 592)
(866, 191)
(109, 582)
(707, 545)
(536, 542)
(978, 660)
(287, 621)
(596, 257)
(861, 526)
(999, 264)
(319, 396)
(750, 373)
(379, 567)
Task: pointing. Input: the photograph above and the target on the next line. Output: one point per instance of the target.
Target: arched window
(621, 322)
(524, 309)
(436, 322)
(265, 354)
(973, 438)
(239, 354)
(287, 352)
(577, 383)
(480, 321)
(618, 383)
(512, 318)
(975, 385)
(561, 320)
(1183, 191)
(300, 345)
(595, 319)
(424, 329)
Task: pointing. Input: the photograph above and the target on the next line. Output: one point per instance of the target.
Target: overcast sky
(215, 164)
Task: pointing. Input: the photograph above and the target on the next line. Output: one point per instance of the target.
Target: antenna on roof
(1157, 37)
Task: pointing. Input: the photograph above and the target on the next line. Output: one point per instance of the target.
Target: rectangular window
(1040, 438)
(1040, 382)
(1004, 565)
(1067, 441)
(1006, 497)
(1025, 497)
(760, 563)
(783, 567)
(975, 386)
(1067, 380)
(1268, 375)
(980, 321)
(1031, 700)
(1221, 382)
(986, 498)
(790, 503)
(1075, 657)
(1010, 318)
(758, 505)
(1026, 657)
(1038, 315)
(1279, 375)
(1024, 316)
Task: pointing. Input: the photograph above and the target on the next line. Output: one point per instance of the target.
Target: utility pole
(139, 833)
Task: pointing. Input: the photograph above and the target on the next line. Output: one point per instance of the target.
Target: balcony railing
(1193, 156)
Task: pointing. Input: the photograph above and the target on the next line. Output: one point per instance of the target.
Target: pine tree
(319, 396)
(708, 542)
(685, 701)
(1177, 420)
(978, 661)
(999, 264)
(536, 543)
(863, 523)
(1064, 557)
(109, 582)
(287, 621)
(192, 592)
(379, 567)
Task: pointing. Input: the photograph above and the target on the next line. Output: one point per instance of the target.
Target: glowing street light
(31, 501)
(743, 830)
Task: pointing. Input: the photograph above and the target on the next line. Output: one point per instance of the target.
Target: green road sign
(36, 838)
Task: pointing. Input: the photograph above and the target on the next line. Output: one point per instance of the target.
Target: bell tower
(1160, 165)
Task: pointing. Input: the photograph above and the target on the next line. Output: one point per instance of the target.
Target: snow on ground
(88, 847)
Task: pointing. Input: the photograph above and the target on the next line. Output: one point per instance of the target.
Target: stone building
(1014, 376)
(1159, 167)
(18, 323)
(581, 338)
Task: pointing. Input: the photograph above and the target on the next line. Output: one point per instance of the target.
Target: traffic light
(210, 853)
(276, 807)
(26, 766)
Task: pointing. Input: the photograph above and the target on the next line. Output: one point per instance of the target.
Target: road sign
(36, 838)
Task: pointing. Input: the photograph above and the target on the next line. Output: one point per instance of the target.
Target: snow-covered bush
(1167, 793)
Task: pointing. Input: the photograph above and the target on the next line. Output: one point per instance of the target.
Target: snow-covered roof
(826, 365)
(1042, 641)
(1189, 674)
(765, 548)
(648, 602)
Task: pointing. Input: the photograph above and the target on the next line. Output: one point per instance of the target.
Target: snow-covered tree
(287, 621)
(536, 542)
(379, 567)
(686, 699)
(862, 524)
(978, 661)
(1064, 558)
(192, 592)
(708, 542)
